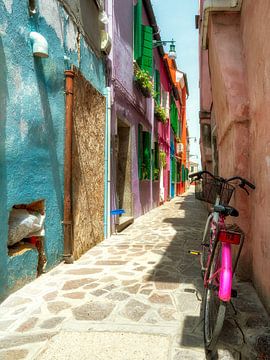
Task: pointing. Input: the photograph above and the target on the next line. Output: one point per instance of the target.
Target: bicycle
(216, 255)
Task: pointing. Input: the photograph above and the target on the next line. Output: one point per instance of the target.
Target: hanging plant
(162, 158)
(143, 81)
(160, 113)
(156, 174)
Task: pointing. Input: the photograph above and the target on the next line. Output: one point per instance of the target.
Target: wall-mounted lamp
(172, 52)
(40, 44)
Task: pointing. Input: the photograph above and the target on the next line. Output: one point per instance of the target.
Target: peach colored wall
(255, 36)
(239, 53)
(230, 101)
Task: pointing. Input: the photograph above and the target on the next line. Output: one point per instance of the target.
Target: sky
(176, 19)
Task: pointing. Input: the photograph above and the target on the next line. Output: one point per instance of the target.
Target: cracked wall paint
(32, 113)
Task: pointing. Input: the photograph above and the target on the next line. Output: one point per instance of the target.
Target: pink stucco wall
(256, 48)
(239, 52)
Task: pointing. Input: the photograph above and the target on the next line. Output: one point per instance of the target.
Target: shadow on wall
(3, 171)
(49, 131)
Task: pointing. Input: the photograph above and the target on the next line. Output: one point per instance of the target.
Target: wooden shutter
(140, 151)
(174, 117)
(146, 61)
(157, 86)
(137, 31)
(147, 154)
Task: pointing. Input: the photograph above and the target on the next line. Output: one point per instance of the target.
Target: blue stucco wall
(32, 119)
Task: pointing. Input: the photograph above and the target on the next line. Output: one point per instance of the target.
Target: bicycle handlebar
(198, 176)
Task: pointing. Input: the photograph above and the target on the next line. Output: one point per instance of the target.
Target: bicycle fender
(225, 286)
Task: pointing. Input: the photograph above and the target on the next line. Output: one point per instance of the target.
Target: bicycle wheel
(214, 309)
(207, 234)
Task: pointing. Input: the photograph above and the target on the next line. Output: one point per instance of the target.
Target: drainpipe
(216, 5)
(107, 195)
(68, 236)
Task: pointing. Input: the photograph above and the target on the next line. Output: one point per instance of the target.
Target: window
(144, 154)
(157, 87)
(155, 162)
(174, 116)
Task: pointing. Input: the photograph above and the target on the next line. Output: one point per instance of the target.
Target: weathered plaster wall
(255, 36)
(32, 110)
(230, 103)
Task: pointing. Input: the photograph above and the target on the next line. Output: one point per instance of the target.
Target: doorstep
(124, 221)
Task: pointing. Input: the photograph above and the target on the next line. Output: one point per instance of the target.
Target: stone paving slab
(139, 284)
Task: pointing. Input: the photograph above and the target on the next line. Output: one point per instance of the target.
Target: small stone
(110, 287)
(51, 323)
(167, 314)
(93, 311)
(91, 286)
(145, 291)
(117, 296)
(128, 282)
(135, 310)
(50, 296)
(17, 354)
(75, 295)
(16, 301)
(98, 292)
(27, 325)
(83, 271)
(166, 285)
(108, 279)
(110, 262)
(160, 299)
(5, 324)
(75, 284)
(133, 289)
(57, 306)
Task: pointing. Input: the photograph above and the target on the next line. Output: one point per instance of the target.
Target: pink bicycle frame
(225, 270)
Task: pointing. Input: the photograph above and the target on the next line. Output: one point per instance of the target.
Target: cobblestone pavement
(135, 296)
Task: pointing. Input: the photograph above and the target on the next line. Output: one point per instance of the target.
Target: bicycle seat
(226, 210)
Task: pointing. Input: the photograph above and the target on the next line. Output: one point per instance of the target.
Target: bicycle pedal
(194, 252)
(205, 245)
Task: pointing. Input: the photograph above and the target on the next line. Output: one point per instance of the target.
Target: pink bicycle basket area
(207, 189)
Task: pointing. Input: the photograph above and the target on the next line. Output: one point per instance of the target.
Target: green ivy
(160, 113)
(144, 80)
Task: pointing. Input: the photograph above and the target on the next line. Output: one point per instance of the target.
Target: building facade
(234, 80)
(39, 41)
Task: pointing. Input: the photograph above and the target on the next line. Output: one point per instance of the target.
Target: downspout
(107, 194)
(216, 5)
(67, 222)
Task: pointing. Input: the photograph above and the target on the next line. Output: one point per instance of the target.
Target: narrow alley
(134, 296)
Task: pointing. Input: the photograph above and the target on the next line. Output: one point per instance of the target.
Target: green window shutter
(173, 170)
(174, 117)
(183, 173)
(156, 155)
(137, 30)
(140, 151)
(178, 171)
(146, 61)
(157, 86)
(146, 155)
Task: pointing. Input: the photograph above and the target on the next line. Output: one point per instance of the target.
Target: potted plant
(144, 81)
(162, 158)
(156, 174)
(160, 113)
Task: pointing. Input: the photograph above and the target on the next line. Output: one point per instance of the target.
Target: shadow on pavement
(178, 266)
